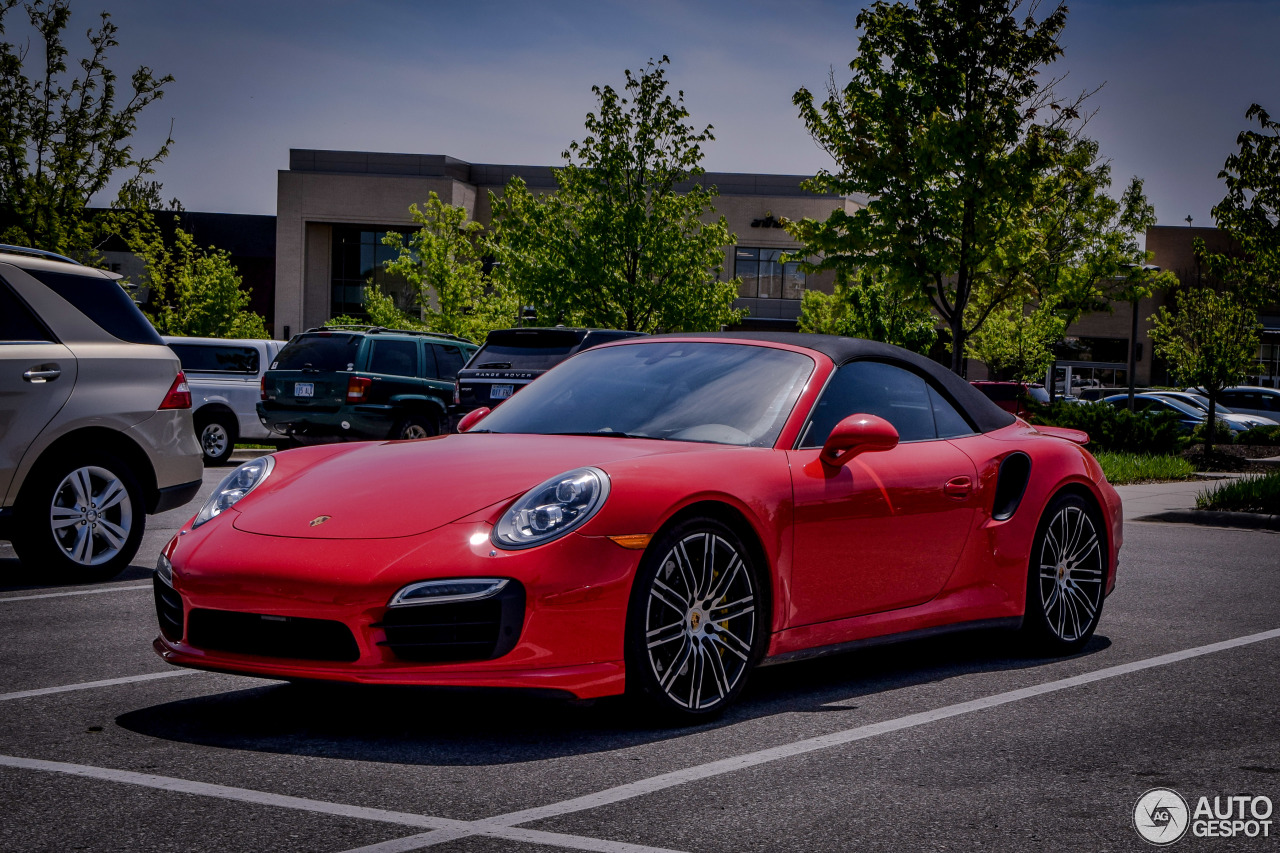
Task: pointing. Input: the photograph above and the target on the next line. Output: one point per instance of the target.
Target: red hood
(380, 491)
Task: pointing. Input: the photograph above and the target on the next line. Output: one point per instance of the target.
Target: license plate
(304, 389)
(501, 392)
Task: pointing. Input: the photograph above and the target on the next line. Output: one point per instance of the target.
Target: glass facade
(359, 256)
(764, 276)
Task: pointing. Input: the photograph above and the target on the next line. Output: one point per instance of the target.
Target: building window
(359, 258)
(764, 276)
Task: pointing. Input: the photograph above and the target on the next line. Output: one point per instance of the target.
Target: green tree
(1210, 341)
(442, 262)
(868, 308)
(382, 310)
(937, 127)
(65, 137)
(624, 242)
(194, 291)
(1250, 213)
(1016, 341)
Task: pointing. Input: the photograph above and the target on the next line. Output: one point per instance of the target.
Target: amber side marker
(635, 541)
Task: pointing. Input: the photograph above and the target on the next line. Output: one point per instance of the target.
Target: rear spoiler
(1076, 436)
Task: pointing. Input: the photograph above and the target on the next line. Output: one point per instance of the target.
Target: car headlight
(551, 509)
(164, 570)
(233, 487)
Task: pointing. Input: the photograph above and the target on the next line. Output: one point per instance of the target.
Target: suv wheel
(217, 435)
(81, 518)
(416, 426)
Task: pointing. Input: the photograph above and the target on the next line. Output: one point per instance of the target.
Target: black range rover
(512, 358)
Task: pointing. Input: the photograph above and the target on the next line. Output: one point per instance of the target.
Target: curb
(1215, 518)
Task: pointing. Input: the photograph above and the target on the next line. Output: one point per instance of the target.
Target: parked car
(1250, 400)
(95, 418)
(225, 377)
(362, 382)
(512, 358)
(655, 515)
(1231, 416)
(1189, 416)
(1012, 396)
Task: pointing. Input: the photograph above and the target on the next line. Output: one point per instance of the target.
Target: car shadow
(471, 727)
(15, 577)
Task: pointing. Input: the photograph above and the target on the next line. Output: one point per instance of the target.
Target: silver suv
(226, 383)
(95, 418)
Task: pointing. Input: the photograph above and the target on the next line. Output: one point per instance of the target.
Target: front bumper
(571, 630)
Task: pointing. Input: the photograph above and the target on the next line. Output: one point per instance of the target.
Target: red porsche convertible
(655, 516)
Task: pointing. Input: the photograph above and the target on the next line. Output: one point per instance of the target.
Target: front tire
(81, 518)
(697, 623)
(217, 436)
(1067, 577)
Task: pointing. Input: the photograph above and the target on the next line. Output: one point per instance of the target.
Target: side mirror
(858, 434)
(472, 418)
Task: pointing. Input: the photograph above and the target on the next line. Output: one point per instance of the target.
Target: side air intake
(1015, 471)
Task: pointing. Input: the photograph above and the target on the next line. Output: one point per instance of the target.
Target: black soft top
(982, 412)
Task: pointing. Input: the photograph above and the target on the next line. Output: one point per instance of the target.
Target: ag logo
(1161, 816)
(318, 520)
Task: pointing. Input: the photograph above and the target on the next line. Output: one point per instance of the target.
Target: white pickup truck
(226, 382)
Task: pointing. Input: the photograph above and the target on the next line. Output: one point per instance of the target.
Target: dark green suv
(362, 382)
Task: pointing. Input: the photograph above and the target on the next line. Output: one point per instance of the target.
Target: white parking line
(89, 685)
(505, 825)
(95, 591)
(445, 829)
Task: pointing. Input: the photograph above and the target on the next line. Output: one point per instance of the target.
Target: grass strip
(1256, 493)
(1125, 468)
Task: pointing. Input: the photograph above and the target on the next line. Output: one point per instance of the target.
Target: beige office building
(333, 208)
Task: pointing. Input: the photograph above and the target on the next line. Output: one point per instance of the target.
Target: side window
(1268, 402)
(429, 370)
(449, 360)
(874, 388)
(950, 423)
(1237, 400)
(17, 323)
(203, 358)
(394, 358)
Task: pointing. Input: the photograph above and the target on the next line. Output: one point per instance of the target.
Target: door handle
(42, 373)
(958, 487)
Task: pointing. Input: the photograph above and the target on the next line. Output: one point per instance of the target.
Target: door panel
(881, 532)
(36, 379)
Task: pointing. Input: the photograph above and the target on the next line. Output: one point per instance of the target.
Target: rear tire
(217, 435)
(697, 623)
(1066, 577)
(81, 518)
(416, 426)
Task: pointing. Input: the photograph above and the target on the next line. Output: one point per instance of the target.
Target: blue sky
(510, 82)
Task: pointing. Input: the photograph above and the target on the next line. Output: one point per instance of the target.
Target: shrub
(1115, 429)
(1259, 493)
(1221, 435)
(1264, 435)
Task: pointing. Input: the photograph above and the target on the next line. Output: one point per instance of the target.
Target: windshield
(322, 351)
(720, 393)
(525, 349)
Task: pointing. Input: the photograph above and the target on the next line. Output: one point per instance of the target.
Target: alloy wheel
(214, 440)
(1071, 573)
(414, 430)
(700, 621)
(91, 515)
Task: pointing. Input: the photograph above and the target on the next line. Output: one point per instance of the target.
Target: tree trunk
(1133, 348)
(1210, 424)
(957, 342)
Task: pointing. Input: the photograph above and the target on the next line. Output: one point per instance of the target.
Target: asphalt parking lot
(959, 743)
